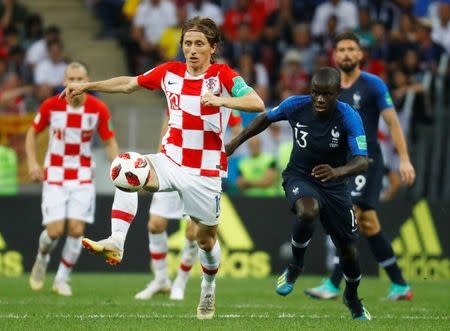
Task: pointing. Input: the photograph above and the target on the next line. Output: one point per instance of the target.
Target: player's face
(75, 75)
(348, 55)
(197, 50)
(324, 97)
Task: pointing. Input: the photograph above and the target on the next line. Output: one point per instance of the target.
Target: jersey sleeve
(105, 127)
(42, 118)
(382, 95)
(234, 119)
(356, 137)
(152, 79)
(235, 84)
(289, 105)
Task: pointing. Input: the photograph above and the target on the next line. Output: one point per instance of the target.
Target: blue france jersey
(369, 95)
(319, 141)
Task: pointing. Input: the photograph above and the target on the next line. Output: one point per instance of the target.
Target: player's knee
(156, 226)
(307, 209)
(206, 243)
(308, 215)
(76, 232)
(55, 232)
(75, 229)
(190, 234)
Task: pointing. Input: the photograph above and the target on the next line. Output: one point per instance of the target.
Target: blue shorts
(336, 211)
(366, 188)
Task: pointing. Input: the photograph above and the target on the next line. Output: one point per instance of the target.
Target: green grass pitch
(105, 302)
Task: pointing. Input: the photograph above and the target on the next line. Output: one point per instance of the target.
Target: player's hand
(211, 100)
(72, 90)
(36, 173)
(324, 172)
(242, 183)
(407, 172)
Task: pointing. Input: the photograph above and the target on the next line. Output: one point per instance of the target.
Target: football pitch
(105, 302)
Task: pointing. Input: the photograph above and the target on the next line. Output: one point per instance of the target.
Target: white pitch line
(218, 316)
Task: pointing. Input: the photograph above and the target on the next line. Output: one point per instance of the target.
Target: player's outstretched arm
(122, 84)
(259, 124)
(325, 172)
(111, 148)
(250, 102)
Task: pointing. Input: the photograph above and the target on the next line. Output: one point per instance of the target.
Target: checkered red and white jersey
(69, 155)
(194, 139)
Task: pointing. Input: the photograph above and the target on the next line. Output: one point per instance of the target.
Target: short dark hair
(327, 76)
(347, 36)
(10, 29)
(205, 25)
(52, 29)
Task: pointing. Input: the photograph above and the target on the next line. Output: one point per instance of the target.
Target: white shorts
(167, 205)
(199, 194)
(68, 202)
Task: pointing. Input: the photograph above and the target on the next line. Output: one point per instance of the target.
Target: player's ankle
(208, 287)
(118, 238)
(162, 278)
(43, 257)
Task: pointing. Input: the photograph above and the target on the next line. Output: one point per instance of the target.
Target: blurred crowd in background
(274, 44)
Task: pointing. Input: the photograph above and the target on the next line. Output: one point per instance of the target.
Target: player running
(369, 95)
(68, 191)
(324, 131)
(166, 206)
(200, 95)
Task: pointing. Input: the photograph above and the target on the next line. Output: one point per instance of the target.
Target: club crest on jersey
(356, 100)
(335, 134)
(212, 85)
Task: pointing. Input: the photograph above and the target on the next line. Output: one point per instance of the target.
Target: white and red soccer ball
(130, 171)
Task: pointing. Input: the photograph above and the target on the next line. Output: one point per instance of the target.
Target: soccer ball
(130, 171)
